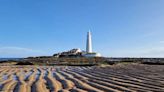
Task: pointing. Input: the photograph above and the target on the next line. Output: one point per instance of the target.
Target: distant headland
(77, 52)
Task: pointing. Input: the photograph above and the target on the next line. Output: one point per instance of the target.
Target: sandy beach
(116, 78)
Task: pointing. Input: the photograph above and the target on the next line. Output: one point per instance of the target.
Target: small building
(92, 54)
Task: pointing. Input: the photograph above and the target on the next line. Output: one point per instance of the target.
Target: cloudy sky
(120, 28)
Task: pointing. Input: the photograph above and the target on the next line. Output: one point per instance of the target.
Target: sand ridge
(121, 78)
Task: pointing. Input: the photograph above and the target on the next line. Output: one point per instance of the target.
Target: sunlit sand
(116, 78)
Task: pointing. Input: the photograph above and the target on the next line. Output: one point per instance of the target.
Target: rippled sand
(117, 78)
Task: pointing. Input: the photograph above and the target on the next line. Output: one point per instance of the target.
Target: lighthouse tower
(89, 43)
(89, 52)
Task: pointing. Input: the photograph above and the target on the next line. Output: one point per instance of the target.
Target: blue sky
(120, 28)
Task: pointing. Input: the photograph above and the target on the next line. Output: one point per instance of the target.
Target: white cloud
(18, 52)
(162, 42)
(149, 34)
(152, 33)
(154, 50)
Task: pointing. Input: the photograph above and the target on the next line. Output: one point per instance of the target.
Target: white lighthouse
(89, 43)
(89, 52)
